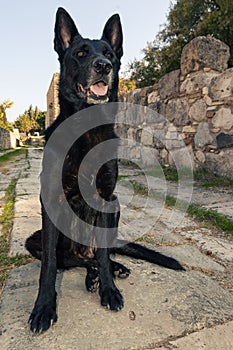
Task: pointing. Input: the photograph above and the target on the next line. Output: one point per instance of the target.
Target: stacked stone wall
(8, 139)
(53, 108)
(197, 104)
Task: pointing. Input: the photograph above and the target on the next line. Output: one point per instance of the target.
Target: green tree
(3, 119)
(126, 85)
(185, 21)
(40, 119)
(23, 123)
(30, 120)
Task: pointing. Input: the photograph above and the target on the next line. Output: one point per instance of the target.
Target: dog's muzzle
(97, 89)
(95, 93)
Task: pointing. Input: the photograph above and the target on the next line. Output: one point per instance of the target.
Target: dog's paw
(111, 298)
(42, 317)
(92, 279)
(120, 270)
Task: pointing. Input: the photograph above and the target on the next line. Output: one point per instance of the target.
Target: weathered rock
(188, 129)
(147, 136)
(153, 97)
(169, 84)
(203, 136)
(224, 140)
(149, 156)
(197, 82)
(221, 163)
(134, 96)
(154, 118)
(222, 86)
(131, 133)
(223, 119)
(143, 95)
(164, 153)
(176, 110)
(7, 139)
(204, 52)
(198, 111)
(183, 157)
(200, 156)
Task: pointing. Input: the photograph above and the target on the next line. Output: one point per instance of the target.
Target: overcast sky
(27, 57)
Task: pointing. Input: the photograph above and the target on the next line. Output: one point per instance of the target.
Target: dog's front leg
(109, 293)
(44, 312)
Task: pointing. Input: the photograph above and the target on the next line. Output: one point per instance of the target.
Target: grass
(201, 214)
(170, 174)
(207, 179)
(7, 263)
(216, 219)
(203, 177)
(7, 156)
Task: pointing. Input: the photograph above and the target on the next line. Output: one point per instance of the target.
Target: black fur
(87, 66)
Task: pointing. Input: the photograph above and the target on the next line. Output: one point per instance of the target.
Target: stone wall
(8, 139)
(197, 103)
(52, 101)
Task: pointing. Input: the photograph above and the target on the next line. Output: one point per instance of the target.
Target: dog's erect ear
(113, 34)
(65, 31)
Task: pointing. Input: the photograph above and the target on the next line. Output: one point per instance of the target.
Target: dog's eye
(81, 53)
(109, 55)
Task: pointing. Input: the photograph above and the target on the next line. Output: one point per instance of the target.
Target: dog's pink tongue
(99, 89)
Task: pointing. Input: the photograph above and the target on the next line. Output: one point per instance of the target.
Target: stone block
(176, 111)
(200, 156)
(207, 100)
(197, 82)
(153, 97)
(7, 139)
(131, 133)
(149, 156)
(222, 86)
(205, 90)
(134, 96)
(204, 136)
(189, 129)
(224, 140)
(163, 153)
(223, 119)
(204, 52)
(221, 163)
(145, 91)
(169, 84)
(147, 137)
(175, 143)
(183, 157)
(198, 111)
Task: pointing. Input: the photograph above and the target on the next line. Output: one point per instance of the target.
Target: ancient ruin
(197, 103)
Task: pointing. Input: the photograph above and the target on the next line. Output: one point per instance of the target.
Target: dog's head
(89, 68)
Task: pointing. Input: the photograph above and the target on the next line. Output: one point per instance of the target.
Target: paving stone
(190, 255)
(23, 227)
(216, 338)
(166, 304)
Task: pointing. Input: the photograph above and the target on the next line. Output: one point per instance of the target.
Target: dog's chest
(85, 162)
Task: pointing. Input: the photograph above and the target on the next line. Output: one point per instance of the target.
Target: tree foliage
(126, 85)
(185, 21)
(3, 118)
(30, 120)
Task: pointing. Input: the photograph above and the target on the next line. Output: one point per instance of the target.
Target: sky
(28, 60)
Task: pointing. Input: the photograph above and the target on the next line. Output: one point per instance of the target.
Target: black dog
(88, 76)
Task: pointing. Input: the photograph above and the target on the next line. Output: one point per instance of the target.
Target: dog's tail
(138, 251)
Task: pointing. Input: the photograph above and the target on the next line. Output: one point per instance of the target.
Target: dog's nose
(102, 66)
